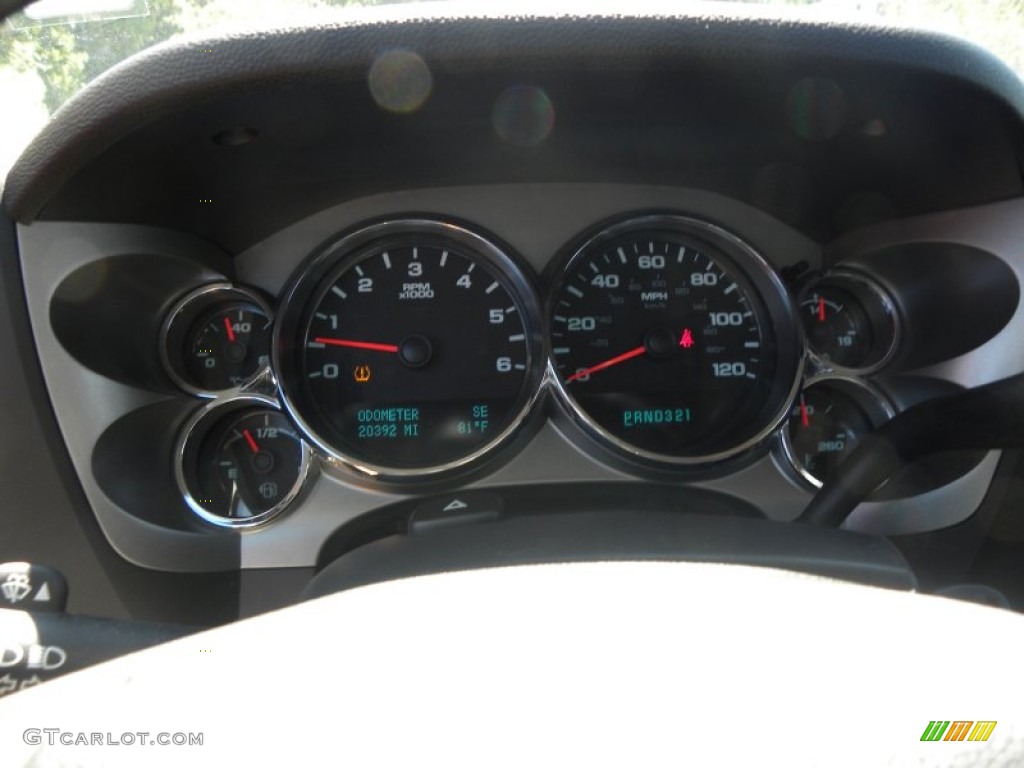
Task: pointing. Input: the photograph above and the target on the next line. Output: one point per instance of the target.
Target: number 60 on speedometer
(671, 341)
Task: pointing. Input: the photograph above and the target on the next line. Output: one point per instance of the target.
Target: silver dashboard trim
(535, 220)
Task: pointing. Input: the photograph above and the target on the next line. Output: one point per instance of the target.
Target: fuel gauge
(828, 419)
(240, 462)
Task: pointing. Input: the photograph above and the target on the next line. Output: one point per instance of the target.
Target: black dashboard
(275, 295)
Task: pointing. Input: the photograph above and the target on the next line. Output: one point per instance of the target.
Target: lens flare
(523, 115)
(400, 81)
(816, 109)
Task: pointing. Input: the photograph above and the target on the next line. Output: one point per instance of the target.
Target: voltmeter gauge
(828, 419)
(216, 339)
(850, 323)
(241, 463)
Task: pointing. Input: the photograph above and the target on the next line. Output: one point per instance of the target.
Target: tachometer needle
(821, 310)
(229, 329)
(805, 418)
(357, 344)
(253, 445)
(607, 363)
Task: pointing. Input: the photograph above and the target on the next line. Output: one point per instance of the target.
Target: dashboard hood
(154, 118)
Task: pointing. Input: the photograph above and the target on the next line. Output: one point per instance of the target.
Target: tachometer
(409, 349)
(672, 341)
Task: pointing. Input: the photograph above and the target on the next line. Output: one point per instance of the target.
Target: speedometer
(672, 341)
(409, 349)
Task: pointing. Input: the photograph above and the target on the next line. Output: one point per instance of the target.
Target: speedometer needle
(357, 344)
(607, 363)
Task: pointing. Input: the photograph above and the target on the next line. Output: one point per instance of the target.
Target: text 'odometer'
(417, 350)
(665, 336)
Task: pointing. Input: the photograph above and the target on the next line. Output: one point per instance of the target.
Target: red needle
(357, 344)
(607, 363)
(805, 419)
(251, 441)
(230, 330)
(821, 310)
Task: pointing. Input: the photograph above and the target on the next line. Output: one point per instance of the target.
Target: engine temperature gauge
(828, 419)
(241, 462)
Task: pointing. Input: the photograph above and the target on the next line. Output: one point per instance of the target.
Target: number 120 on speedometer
(672, 341)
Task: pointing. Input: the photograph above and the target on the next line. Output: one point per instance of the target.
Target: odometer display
(672, 341)
(416, 349)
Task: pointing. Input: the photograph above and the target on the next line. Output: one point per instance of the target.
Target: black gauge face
(216, 338)
(245, 466)
(837, 327)
(824, 427)
(848, 324)
(826, 423)
(417, 352)
(228, 346)
(665, 343)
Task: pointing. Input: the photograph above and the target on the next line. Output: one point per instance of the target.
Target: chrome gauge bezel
(781, 315)
(195, 430)
(190, 307)
(874, 401)
(301, 292)
(866, 283)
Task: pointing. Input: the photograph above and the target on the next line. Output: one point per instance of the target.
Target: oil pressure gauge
(216, 339)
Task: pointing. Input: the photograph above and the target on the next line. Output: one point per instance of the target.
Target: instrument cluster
(414, 351)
